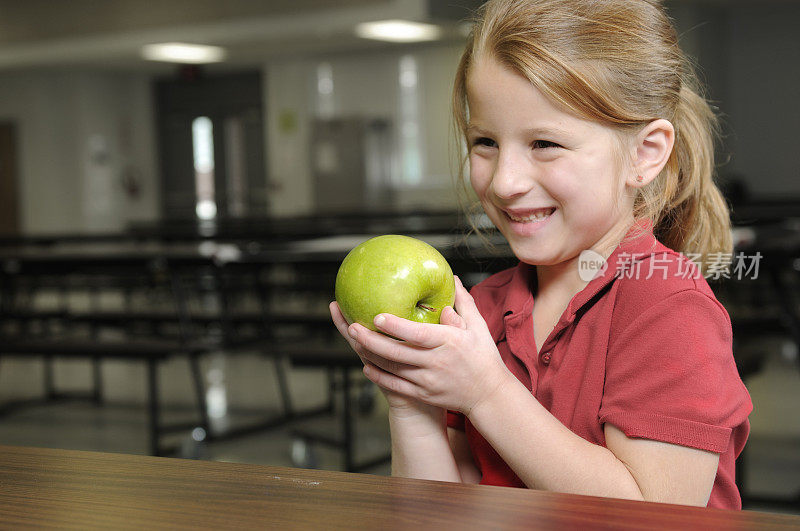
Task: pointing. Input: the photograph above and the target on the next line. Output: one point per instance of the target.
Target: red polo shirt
(644, 346)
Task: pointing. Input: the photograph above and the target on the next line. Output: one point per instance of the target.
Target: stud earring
(639, 178)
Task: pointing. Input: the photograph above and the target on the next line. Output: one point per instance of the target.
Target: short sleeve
(671, 376)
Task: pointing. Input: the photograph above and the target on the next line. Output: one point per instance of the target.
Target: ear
(653, 147)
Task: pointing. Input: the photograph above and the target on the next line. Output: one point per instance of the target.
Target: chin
(532, 257)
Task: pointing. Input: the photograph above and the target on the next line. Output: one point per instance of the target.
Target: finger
(342, 325)
(390, 382)
(338, 319)
(450, 317)
(368, 363)
(447, 317)
(393, 367)
(336, 313)
(344, 329)
(387, 347)
(465, 306)
(423, 335)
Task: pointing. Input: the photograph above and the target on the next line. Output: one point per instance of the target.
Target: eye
(484, 141)
(544, 144)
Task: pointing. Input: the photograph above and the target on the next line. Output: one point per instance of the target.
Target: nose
(512, 175)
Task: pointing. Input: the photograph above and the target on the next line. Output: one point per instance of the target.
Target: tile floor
(121, 427)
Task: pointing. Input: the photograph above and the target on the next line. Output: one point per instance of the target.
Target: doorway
(211, 147)
(9, 207)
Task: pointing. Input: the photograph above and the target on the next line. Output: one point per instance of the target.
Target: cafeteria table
(87, 490)
(140, 263)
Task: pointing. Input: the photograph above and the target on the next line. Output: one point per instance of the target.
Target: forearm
(543, 452)
(421, 448)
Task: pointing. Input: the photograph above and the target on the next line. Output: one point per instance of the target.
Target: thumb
(465, 306)
(451, 318)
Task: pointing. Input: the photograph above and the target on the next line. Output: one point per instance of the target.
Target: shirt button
(546, 358)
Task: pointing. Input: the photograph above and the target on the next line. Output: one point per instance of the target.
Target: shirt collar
(638, 243)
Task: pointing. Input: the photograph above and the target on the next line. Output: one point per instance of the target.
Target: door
(9, 210)
(211, 147)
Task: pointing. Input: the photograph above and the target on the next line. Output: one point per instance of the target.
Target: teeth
(533, 217)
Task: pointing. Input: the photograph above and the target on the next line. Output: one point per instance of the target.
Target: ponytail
(688, 211)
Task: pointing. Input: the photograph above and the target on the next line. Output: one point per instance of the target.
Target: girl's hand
(401, 406)
(451, 365)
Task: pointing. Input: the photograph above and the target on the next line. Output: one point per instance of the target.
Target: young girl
(586, 139)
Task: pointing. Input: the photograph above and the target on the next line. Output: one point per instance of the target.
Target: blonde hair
(615, 62)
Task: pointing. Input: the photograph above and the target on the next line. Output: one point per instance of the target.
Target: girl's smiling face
(552, 183)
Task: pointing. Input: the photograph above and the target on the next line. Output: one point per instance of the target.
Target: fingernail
(379, 320)
(352, 332)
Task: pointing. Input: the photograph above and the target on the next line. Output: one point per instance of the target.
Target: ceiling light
(398, 31)
(177, 52)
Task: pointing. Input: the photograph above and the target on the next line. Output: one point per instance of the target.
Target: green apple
(394, 274)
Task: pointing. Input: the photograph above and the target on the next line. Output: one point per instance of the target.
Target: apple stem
(425, 307)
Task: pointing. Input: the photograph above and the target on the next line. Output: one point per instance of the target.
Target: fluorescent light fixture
(178, 52)
(398, 31)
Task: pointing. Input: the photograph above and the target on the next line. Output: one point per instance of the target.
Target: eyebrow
(533, 131)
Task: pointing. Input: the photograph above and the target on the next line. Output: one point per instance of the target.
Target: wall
(763, 77)
(79, 132)
(44, 150)
(749, 56)
(364, 84)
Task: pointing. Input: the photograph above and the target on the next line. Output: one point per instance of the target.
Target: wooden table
(84, 490)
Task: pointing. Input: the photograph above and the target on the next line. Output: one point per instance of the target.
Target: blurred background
(180, 179)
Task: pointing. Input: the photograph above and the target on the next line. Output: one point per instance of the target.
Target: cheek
(582, 184)
(563, 183)
(480, 174)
